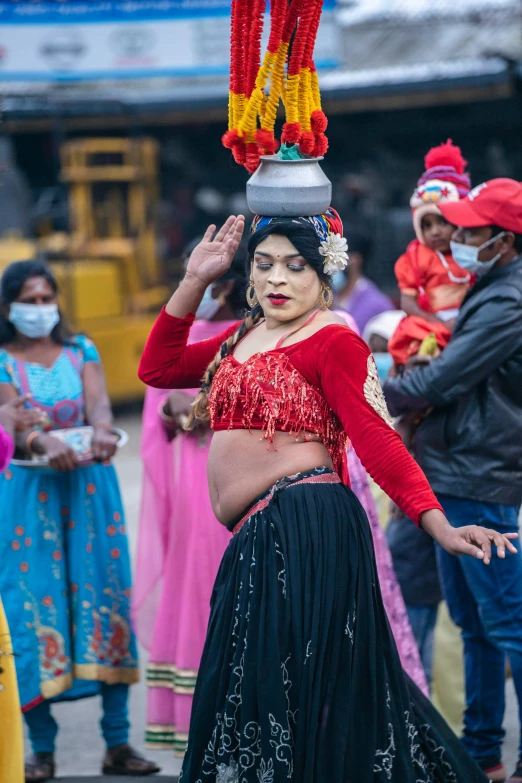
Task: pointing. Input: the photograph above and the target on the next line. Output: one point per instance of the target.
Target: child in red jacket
(432, 285)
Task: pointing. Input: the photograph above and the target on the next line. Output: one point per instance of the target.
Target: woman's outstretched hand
(477, 542)
(213, 256)
(472, 540)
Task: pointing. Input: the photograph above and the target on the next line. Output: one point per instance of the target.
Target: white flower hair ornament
(335, 251)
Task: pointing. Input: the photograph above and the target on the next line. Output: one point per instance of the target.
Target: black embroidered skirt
(300, 678)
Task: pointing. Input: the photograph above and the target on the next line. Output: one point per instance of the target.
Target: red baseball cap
(497, 202)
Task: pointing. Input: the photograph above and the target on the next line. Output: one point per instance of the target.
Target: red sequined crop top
(267, 393)
(326, 384)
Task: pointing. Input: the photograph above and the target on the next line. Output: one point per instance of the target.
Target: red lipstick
(278, 299)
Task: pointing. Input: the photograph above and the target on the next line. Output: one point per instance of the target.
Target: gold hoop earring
(251, 297)
(325, 297)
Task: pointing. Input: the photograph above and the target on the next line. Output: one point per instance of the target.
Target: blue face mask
(34, 321)
(384, 364)
(467, 256)
(338, 281)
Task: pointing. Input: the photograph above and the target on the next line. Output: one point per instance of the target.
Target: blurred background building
(398, 76)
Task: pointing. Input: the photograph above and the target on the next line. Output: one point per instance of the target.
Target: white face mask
(208, 307)
(466, 256)
(34, 321)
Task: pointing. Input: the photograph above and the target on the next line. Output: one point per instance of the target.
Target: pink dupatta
(6, 449)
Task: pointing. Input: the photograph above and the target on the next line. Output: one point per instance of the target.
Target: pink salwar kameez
(180, 547)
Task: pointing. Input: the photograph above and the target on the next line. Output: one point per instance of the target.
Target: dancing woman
(300, 678)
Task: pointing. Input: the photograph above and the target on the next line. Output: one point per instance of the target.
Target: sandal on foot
(40, 767)
(125, 760)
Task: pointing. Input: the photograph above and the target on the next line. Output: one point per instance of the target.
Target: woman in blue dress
(65, 578)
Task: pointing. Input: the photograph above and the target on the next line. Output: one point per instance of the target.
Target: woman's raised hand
(213, 256)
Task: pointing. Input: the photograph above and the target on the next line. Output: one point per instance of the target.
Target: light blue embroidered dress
(65, 576)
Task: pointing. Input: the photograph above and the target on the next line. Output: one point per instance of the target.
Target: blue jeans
(486, 603)
(114, 723)
(422, 621)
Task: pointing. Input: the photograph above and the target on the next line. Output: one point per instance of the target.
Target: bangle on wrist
(30, 440)
(182, 420)
(170, 423)
(164, 416)
(104, 425)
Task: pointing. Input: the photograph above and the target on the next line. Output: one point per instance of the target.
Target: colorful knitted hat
(445, 179)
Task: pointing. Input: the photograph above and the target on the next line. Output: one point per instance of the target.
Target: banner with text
(90, 41)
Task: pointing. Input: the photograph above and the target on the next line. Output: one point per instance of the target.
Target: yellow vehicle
(107, 266)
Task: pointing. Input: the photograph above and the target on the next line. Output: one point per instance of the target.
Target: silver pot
(288, 188)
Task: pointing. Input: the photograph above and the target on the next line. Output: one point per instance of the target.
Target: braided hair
(305, 240)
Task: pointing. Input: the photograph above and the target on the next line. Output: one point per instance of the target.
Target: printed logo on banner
(63, 48)
(133, 42)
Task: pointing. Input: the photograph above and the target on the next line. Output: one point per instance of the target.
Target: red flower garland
(254, 40)
(295, 21)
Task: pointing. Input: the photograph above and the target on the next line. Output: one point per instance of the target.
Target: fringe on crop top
(267, 393)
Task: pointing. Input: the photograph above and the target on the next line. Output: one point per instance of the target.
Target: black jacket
(470, 445)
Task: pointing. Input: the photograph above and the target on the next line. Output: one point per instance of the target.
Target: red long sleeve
(350, 384)
(168, 362)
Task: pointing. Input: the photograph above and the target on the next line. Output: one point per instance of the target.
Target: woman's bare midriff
(242, 465)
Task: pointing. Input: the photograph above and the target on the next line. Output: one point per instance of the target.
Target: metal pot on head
(289, 188)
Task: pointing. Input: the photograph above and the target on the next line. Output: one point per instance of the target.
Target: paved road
(80, 748)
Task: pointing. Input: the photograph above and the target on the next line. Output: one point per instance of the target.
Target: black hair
(12, 282)
(517, 244)
(302, 237)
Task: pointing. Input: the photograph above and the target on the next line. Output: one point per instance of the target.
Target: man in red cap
(470, 447)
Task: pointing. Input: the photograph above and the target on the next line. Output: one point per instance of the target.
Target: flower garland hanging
(286, 74)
